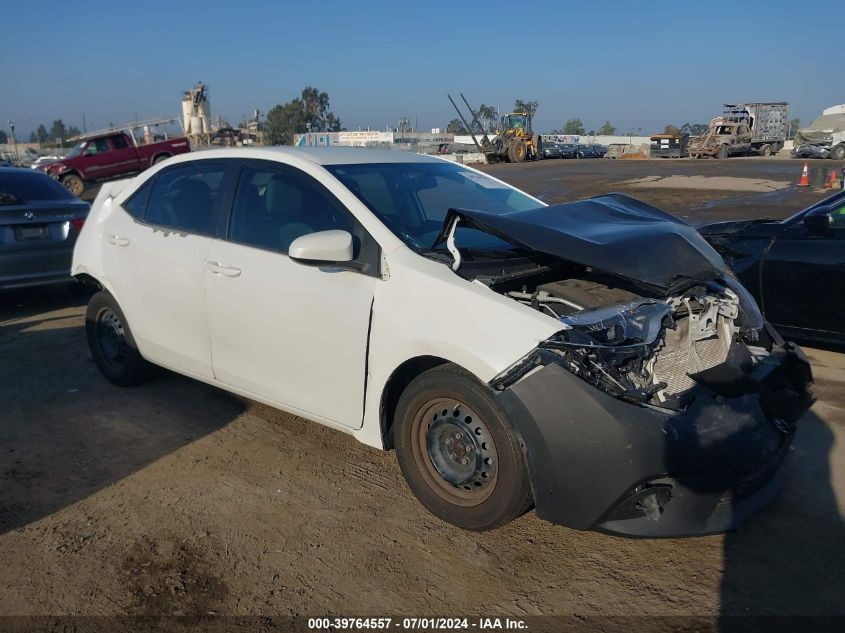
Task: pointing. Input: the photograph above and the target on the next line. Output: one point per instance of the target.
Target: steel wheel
(111, 339)
(455, 452)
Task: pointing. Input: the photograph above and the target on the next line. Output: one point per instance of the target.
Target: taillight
(77, 223)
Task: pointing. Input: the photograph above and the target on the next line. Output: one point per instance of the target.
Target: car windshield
(76, 150)
(412, 199)
(30, 186)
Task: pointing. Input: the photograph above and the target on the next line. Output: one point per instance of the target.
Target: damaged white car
(595, 360)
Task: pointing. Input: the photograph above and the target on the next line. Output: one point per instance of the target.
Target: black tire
(458, 451)
(765, 150)
(838, 152)
(73, 183)
(722, 152)
(160, 158)
(112, 344)
(517, 151)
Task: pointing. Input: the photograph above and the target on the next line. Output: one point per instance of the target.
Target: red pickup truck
(108, 156)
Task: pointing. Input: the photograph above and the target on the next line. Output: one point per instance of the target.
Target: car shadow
(783, 567)
(67, 433)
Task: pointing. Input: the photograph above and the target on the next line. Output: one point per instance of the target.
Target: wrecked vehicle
(743, 129)
(824, 137)
(790, 267)
(595, 360)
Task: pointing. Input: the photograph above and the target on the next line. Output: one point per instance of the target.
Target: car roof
(318, 155)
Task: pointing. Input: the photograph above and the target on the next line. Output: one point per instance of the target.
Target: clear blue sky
(639, 64)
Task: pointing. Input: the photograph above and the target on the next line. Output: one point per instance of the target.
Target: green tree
(73, 131)
(283, 121)
(33, 138)
(456, 126)
(607, 129)
(58, 132)
(310, 111)
(794, 126)
(526, 106)
(488, 117)
(574, 126)
(694, 129)
(42, 134)
(3, 138)
(671, 129)
(317, 112)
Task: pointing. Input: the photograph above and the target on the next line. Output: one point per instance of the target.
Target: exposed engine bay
(638, 348)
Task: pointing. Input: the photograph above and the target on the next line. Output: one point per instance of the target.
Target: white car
(595, 359)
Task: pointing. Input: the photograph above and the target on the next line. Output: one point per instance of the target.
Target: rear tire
(112, 344)
(74, 184)
(765, 150)
(160, 158)
(458, 451)
(722, 153)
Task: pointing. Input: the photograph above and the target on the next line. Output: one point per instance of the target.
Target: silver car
(39, 223)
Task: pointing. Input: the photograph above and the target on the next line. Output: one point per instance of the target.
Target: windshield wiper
(9, 198)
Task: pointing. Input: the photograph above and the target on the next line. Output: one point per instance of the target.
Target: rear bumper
(599, 463)
(39, 266)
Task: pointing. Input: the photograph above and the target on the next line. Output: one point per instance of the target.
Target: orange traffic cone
(805, 177)
(831, 181)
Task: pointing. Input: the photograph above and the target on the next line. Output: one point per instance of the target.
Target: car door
(93, 161)
(124, 158)
(155, 259)
(802, 278)
(290, 333)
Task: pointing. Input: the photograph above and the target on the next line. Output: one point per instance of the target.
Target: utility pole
(14, 140)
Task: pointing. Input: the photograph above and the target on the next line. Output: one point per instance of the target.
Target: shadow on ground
(65, 432)
(782, 562)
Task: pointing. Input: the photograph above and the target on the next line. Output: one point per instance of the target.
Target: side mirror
(819, 220)
(322, 248)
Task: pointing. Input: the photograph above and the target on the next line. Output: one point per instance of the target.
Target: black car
(593, 150)
(39, 223)
(794, 268)
(552, 149)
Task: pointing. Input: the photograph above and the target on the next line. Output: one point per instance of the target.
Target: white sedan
(595, 360)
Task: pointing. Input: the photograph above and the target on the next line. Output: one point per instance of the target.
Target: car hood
(614, 233)
(733, 227)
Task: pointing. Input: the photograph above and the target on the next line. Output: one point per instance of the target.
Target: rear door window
(186, 197)
(136, 205)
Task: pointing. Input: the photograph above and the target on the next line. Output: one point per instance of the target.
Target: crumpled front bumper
(597, 462)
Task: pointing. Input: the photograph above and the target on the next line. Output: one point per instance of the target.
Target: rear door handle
(219, 269)
(116, 240)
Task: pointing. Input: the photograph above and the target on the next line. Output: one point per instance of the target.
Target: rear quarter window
(136, 204)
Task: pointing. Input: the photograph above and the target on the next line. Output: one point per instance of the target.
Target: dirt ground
(177, 498)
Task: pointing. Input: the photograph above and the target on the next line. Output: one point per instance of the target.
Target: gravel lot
(177, 498)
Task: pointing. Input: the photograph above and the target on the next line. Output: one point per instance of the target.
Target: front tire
(722, 152)
(458, 451)
(112, 344)
(74, 184)
(517, 151)
(838, 152)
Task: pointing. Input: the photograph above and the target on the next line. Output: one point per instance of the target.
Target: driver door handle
(116, 240)
(219, 269)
